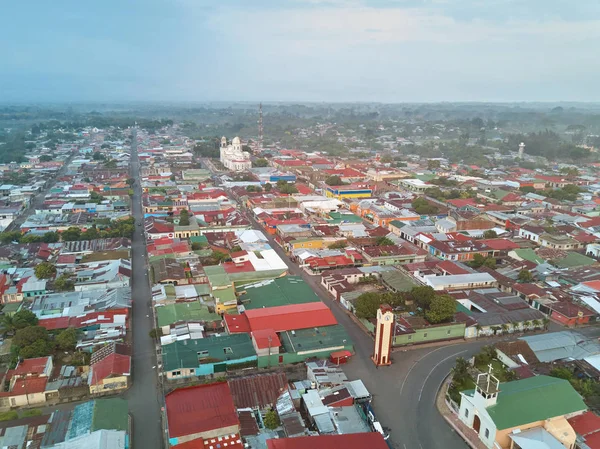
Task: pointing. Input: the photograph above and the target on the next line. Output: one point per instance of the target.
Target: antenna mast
(260, 128)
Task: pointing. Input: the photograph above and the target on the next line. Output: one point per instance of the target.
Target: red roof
(262, 336)
(29, 385)
(115, 364)
(369, 440)
(238, 267)
(462, 202)
(585, 423)
(529, 289)
(451, 268)
(201, 408)
(291, 317)
(237, 324)
(34, 366)
(592, 284)
(500, 244)
(66, 259)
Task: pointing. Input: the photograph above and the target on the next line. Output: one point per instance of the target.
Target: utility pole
(260, 127)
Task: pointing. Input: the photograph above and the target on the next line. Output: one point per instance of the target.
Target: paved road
(145, 396)
(38, 199)
(404, 393)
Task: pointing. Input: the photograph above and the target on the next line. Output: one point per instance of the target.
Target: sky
(300, 50)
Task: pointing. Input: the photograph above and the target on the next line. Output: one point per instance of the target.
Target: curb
(444, 410)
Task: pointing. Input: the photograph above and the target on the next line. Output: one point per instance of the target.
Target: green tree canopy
(261, 162)
(67, 339)
(45, 270)
(271, 420)
(384, 241)
(525, 276)
(184, 217)
(24, 318)
(367, 304)
(490, 234)
(28, 335)
(63, 283)
(441, 309)
(334, 180)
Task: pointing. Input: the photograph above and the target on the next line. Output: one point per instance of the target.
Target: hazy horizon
(311, 51)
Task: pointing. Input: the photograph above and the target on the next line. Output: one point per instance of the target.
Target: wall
(425, 335)
(566, 321)
(110, 385)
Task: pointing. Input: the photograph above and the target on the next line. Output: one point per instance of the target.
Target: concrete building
(232, 156)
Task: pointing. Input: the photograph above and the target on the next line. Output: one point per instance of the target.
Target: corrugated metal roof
(257, 392)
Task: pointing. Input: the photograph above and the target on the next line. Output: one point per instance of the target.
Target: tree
(7, 324)
(184, 218)
(505, 327)
(45, 158)
(39, 348)
(71, 234)
(340, 244)
(334, 180)
(271, 420)
(525, 276)
(384, 241)
(45, 270)
(386, 159)
(536, 324)
(9, 237)
(422, 207)
(24, 318)
(441, 309)
(460, 372)
(63, 283)
(67, 339)
(130, 181)
(51, 237)
(433, 164)
(254, 189)
(367, 304)
(28, 335)
(422, 295)
(545, 323)
(110, 164)
(196, 246)
(562, 373)
(286, 188)
(527, 189)
(172, 178)
(490, 234)
(153, 333)
(268, 187)
(30, 238)
(97, 156)
(261, 162)
(478, 329)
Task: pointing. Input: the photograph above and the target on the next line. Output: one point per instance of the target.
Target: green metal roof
(574, 259)
(184, 354)
(110, 414)
(534, 399)
(338, 217)
(277, 292)
(315, 339)
(217, 277)
(530, 255)
(398, 223)
(398, 281)
(199, 239)
(12, 307)
(184, 311)
(225, 294)
(463, 309)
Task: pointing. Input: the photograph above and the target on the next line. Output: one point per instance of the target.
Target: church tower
(383, 336)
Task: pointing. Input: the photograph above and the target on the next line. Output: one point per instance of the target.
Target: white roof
(459, 279)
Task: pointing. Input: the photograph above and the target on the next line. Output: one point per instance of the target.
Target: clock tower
(383, 336)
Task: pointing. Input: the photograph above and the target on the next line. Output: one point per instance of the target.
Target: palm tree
(460, 370)
(526, 325)
(505, 328)
(546, 321)
(478, 329)
(7, 324)
(496, 329)
(537, 323)
(515, 325)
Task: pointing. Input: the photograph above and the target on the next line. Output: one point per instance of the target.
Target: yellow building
(348, 191)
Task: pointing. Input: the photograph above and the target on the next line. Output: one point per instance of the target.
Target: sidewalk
(466, 433)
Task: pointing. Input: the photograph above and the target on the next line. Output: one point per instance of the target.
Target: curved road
(404, 393)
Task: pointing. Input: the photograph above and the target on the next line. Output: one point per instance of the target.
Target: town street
(145, 395)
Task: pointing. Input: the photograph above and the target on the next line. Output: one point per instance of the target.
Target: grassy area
(498, 370)
(107, 255)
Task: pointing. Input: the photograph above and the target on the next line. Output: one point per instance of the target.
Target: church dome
(236, 140)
